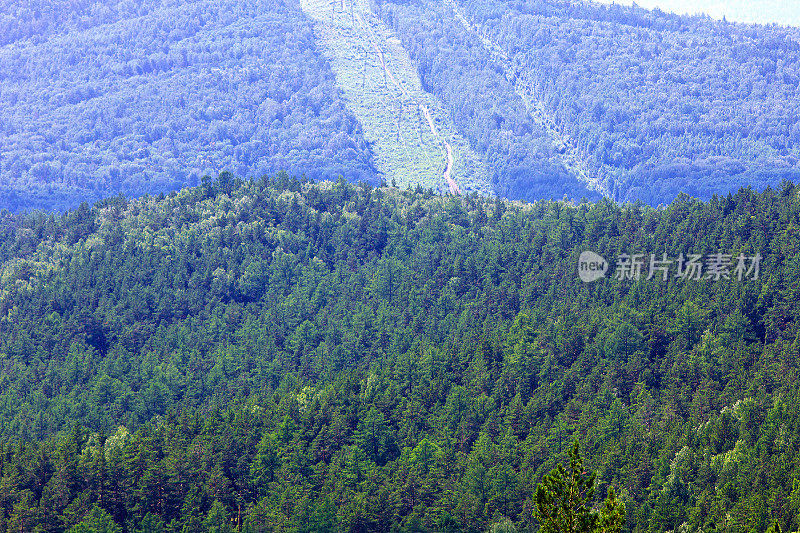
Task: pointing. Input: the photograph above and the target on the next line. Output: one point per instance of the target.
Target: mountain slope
(534, 101)
(645, 104)
(669, 103)
(151, 98)
(522, 156)
(410, 133)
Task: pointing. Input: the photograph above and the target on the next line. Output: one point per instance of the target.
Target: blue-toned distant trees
(452, 64)
(657, 103)
(162, 95)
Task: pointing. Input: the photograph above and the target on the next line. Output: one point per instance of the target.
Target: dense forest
(588, 100)
(279, 355)
(655, 104)
(147, 97)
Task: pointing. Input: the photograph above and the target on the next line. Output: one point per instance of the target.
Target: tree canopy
(278, 354)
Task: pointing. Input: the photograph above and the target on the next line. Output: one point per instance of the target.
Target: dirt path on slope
(454, 189)
(428, 118)
(368, 30)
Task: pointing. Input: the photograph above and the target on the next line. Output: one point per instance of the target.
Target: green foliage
(503, 526)
(399, 371)
(564, 498)
(97, 521)
(217, 520)
(150, 524)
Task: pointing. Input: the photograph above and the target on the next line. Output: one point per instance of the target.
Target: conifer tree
(564, 499)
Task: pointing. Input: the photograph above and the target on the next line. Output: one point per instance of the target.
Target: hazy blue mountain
(652, 104)
(151, 96)
(557, 98)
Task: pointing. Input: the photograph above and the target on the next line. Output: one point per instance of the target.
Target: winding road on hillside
(450, 182)
(454, 188)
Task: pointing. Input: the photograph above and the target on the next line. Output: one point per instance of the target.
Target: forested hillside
(652, 104)
(147, 97)
(537, 100)
(277, 355)
(523, 161)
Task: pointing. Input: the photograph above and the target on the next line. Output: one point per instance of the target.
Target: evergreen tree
(564, 499)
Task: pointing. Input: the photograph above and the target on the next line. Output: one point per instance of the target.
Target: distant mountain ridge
(148, 97)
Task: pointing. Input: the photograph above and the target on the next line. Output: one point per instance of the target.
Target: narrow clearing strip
(405, 125)
(452, 184)
(454, 189)
(571, 156)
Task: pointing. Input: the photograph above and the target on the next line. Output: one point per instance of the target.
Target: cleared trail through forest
(368, 30)
(454, 189)
(570, 153)
(428, 118)
(448, 152)
(406, 125)
(401, 154)
(452, 184)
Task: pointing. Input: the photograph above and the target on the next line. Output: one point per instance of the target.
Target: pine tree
(150, 524)
(564, 498)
